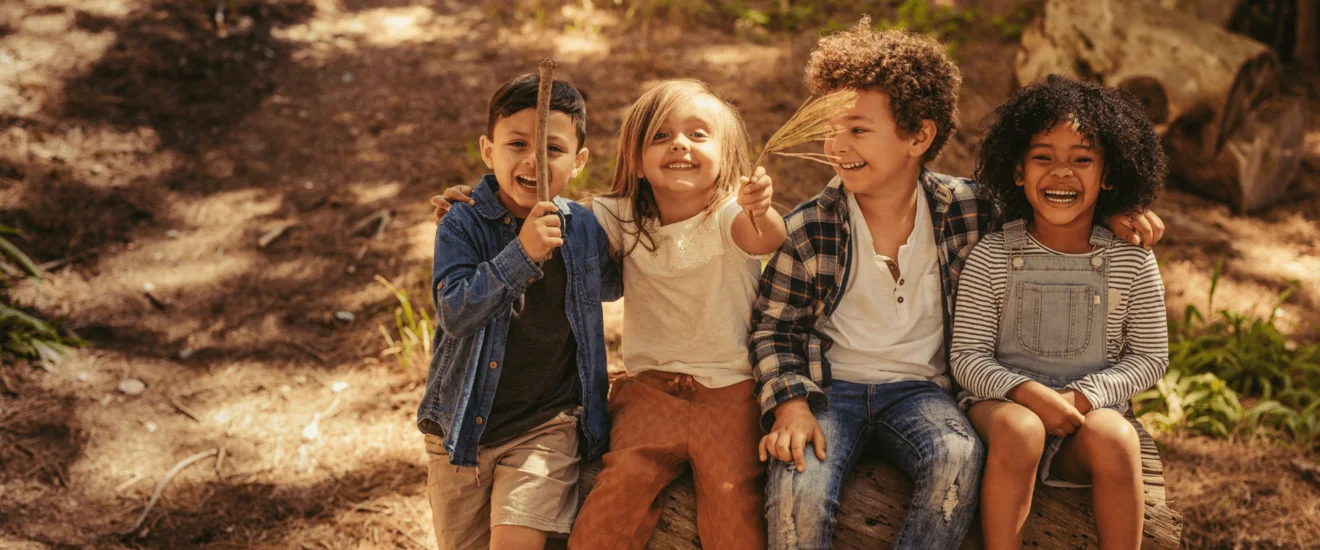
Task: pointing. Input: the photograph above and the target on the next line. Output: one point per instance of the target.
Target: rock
(172, 234)
(185, 353)
(83, 377)
(132, 386)
(345, 316)
(339, 386)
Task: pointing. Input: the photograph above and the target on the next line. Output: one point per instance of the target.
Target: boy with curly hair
(852, 326)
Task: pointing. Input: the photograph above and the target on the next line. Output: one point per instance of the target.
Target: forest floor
(146, 151)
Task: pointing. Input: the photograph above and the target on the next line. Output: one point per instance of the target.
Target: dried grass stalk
(813, 121)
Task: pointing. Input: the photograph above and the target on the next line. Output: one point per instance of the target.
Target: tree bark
(1214, 96)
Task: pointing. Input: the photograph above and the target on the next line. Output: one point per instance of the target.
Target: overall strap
(1015, 235)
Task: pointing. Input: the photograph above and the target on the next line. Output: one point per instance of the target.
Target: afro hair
(1134, 162)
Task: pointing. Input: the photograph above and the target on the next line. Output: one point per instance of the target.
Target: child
(852, 326)
(690, 264)
(1059, 323)
(518, 381)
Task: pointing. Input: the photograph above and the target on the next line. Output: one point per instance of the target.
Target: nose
(680, 143)
(1062, 172)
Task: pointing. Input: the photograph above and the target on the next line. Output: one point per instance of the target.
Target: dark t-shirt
(539, 378)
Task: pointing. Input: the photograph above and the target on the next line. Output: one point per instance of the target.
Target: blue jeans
(923, 433)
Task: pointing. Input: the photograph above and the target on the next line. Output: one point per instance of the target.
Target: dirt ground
(146, 151)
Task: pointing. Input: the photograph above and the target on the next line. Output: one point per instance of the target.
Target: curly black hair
(1134, 161)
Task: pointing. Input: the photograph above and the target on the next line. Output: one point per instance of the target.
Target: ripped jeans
(921, 431)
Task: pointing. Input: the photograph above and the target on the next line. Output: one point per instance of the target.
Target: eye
(700, 134)
(660, 136)
(517, 143)
(1082, 160)
(556, 149)
(1041, 158)
(858, 130)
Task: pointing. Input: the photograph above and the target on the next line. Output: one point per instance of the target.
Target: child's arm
(782, 319)
(976, 328)
(754, 198)
(611, 270)
(1147, 352)
(469, 291)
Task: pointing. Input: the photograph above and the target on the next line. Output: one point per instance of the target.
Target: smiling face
(872, 151)
(510, 154)
(1061, 175)
(684, 155)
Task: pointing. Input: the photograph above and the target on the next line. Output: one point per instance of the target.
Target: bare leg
(1106, 452)
(1016, 439)
(516, 537)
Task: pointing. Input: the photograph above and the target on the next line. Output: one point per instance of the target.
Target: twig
(373, 217)
(308, 350)
(546, 89)
(273, 234)
(219, 461)
(160, 304)
(547, 73)
(160, 487)
(185, 410)
(129, 483)
(410, 537)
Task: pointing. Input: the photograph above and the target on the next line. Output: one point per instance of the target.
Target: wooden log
(1213, 95)
(875, 498)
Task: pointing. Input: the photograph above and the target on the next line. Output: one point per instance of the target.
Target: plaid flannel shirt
(805, 278)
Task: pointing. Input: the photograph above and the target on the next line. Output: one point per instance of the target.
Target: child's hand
(1056, 412)
(1142, 229)
(540, 233)
(755, 193)
(1078, 400)
(457, 193)
(794, 427)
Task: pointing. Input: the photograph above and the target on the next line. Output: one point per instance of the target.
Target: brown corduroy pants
(662, 424)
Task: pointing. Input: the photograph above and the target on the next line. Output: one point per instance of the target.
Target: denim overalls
(1053, 325)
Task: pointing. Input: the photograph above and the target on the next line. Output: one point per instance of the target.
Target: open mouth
(526, 181)
(1061, 196)
(852, 165)
(679, 166)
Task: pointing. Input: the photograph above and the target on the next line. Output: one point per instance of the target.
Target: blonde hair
(640, 125)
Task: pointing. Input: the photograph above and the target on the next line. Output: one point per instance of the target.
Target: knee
(958, 454)
(800, 507)
(1017, 440)
(1111, 444)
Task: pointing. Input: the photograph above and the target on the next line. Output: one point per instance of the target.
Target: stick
(185, 410)
(543, 93)
(160, 487)
(547, 70)
(399, 528)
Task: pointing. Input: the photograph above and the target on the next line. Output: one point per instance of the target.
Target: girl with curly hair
(1058, 323)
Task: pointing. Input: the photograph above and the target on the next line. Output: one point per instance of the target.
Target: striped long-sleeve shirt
(1136, 329)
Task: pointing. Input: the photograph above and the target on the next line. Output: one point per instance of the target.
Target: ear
(1019, 177)
(922, 138)
(487, 152)
(579, 162)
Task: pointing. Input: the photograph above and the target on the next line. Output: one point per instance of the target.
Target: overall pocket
(1055, 320)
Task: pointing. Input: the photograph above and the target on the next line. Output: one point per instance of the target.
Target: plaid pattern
(801, 286)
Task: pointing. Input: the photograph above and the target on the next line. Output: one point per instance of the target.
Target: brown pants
(663, 422)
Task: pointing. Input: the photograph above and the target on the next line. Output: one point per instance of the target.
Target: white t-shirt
(886, 329)
(688, 303)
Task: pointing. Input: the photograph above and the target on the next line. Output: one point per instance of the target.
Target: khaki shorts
(530, 480)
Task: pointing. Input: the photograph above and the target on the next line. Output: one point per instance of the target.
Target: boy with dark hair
(851, 330)
(518, 382)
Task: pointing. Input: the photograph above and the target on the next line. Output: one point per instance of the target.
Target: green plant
(1217, 362)
(25, 335)
(413, 345)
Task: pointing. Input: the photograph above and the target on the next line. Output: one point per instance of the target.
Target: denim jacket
(480, 273)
